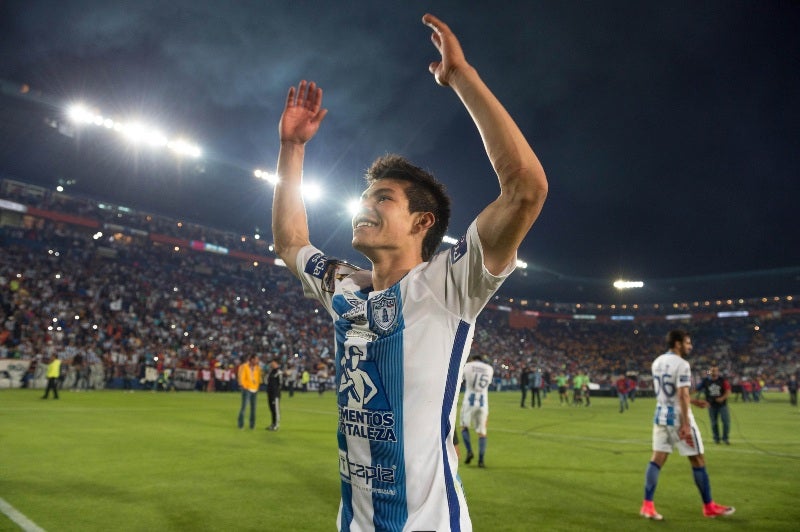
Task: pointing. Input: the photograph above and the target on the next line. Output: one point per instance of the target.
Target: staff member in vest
(717, 390)
(249, 378)
(53, 374)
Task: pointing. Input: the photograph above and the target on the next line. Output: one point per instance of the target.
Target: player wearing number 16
(674, 425)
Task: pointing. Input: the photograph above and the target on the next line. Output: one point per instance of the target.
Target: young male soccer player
(475, 405)
(674, 425)
(403, 329)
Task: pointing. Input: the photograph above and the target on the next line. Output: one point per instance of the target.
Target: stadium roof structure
(38, 145)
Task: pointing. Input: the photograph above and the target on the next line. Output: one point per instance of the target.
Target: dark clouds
(669, 131)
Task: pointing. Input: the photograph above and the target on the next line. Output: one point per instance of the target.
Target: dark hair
(676, 335)
(425, 194)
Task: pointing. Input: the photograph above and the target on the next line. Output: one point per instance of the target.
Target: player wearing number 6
(674, 425)
(475, 405)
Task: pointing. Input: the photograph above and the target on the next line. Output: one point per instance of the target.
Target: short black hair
(425, 194)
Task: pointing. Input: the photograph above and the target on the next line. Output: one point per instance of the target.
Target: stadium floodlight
(183, 147)
(311, 191)
(522, 264)
(353, 206)
(134, 131)
(621, 284)
(79, 113)
(266, 176)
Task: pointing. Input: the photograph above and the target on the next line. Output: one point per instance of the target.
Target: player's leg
(662, 447)
(480, 430)
(466, 418)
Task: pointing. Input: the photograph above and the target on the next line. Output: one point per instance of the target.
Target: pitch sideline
(19, 518)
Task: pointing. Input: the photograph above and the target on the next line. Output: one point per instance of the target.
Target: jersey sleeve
(468, 284)
(684, 376)
(319, 274)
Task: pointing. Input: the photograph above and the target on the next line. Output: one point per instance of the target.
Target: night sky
(669, 131)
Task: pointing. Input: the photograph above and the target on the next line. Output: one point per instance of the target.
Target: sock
(481, 448)
(703, 484)
(465, 437)
(651, 480)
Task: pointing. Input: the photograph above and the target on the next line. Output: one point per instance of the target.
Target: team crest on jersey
(458, 250)
(384, 312)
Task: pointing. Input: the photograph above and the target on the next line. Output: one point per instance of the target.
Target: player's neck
(389, 268)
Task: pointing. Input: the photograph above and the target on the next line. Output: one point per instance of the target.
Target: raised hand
(302, 114)
(445, 41)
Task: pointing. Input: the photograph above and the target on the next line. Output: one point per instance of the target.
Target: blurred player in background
(475, 405)
(674, 425)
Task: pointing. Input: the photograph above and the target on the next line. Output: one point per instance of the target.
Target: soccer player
(407, 323)
(475, 405)
(674, 425)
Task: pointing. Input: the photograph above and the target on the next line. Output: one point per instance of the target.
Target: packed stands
(132, 293)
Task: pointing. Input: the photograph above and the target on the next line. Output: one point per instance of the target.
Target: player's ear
(424, 220)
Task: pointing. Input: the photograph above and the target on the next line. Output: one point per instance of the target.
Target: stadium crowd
(121, 303)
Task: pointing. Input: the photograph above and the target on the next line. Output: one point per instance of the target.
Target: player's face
(685, 347)
(713, 372)
(384, 220)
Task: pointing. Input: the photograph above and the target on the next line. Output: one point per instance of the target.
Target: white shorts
(475, 417)
(665, 438)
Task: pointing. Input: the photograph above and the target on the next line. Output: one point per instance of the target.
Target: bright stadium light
(625, 285)
(521, 264)
(353, 206)
(266, 176)
(79, 113)
(311, 191)
(449, 240)
(134, 131)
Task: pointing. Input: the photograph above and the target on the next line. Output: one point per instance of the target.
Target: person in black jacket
(717, 390)
(274, 382)
(523, 384)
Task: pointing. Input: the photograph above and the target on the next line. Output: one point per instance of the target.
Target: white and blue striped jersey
(399, 359)
(670, 372)
(477, 378)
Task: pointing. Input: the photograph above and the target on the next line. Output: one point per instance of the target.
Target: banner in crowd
(11, 372)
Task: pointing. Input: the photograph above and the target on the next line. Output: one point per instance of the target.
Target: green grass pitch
(109, 460)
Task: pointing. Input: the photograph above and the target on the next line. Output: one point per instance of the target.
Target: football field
(109, 460)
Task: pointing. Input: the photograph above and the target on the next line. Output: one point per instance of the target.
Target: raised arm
(503, 224)
(299, 123)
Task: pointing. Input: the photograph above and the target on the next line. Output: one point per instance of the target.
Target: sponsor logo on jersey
(316, 265)
(351, 297)
(384, 312)
(367, 424)
(458, 250)
(357, 314)
(369, 336)
(349, 470)
(684, 378)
